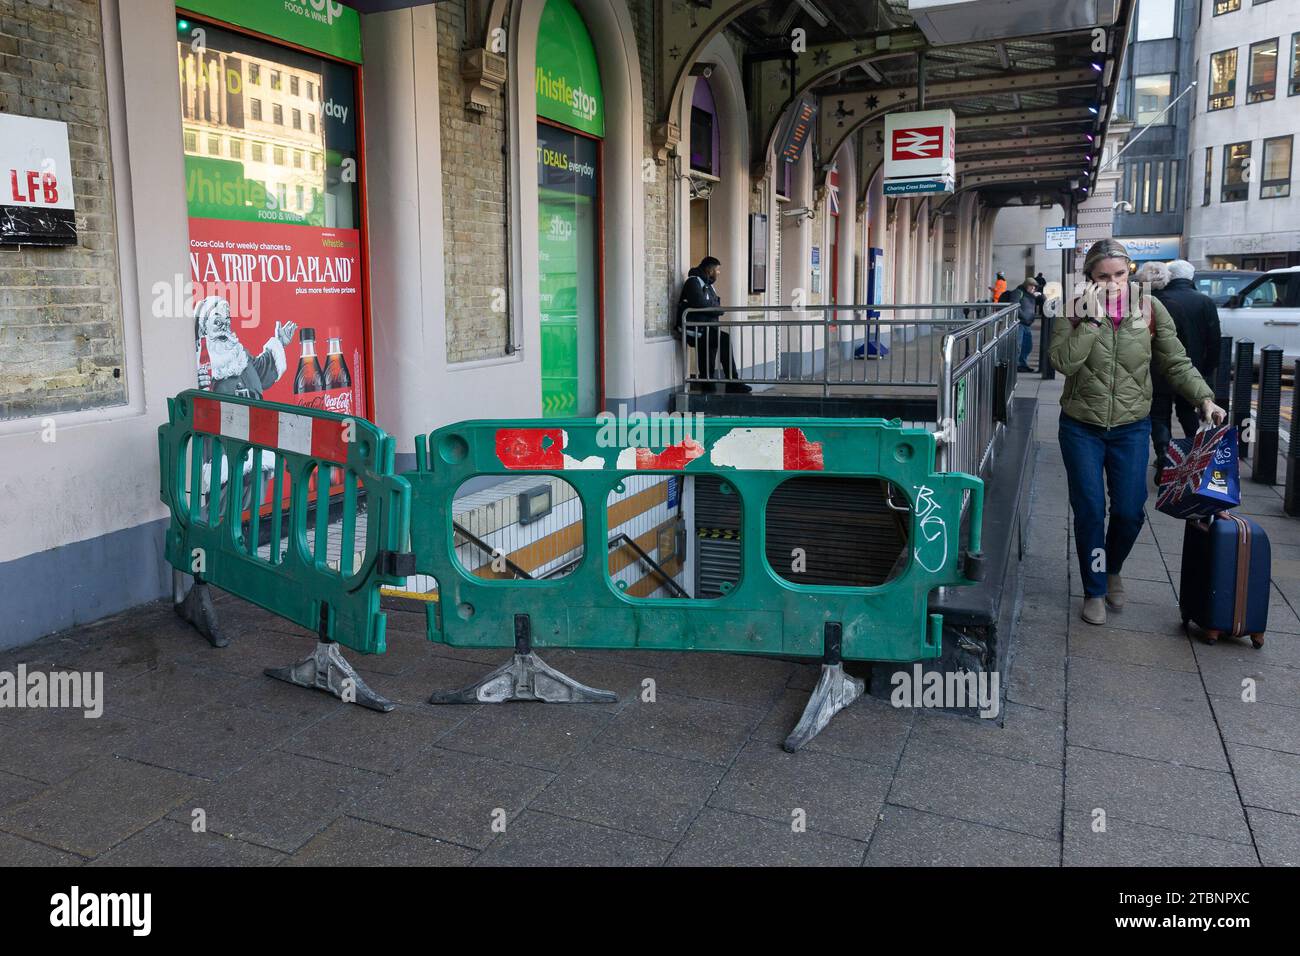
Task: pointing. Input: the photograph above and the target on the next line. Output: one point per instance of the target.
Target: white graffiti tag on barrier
(934, 531)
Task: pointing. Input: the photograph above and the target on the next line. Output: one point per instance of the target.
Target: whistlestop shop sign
(920, 152)
(36, 205)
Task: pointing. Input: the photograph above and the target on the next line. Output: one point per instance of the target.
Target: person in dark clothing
(1025, 298)
(1197, 321)
(712, 345)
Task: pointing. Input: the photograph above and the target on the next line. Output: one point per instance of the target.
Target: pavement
(1129, 744)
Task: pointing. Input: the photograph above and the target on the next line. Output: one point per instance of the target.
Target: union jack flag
(1183, 481)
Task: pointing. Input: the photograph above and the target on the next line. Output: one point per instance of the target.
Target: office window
(1277, 168)
(1293, 88)
(1160, 187)
(281, 196)
(297, 198)
(311, 90)
(1226, 6)
(1209, 175)
(297, 119)
(311, 122)
(293, 86)
(297, 159)
(1236, 188)
(1155, 19)
(256, 106)
(1261, 82)
(191, 141)
(277, 154)
(315, 162)
(1151, 96)
(1223, 80)
(277, 114)
(275, 80)
(254, 73)
(236, 149)
(1191, 158)
(1171, 203)
(1133, 185)
(1146, 187)
(258, 153)
(214, 145)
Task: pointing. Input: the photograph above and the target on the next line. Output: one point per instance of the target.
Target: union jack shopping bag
(1201, 477)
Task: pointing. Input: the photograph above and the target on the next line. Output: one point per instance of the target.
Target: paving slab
(907, 837)
(980, 788)
(1127, 843)
(98, 807)
(351, 842)
(1172, 735)
(1184, 799)
(1267, 779)
(543, 839)
(172, 843)
(1277, 835)
(452, 796)
(686, 727)
(725, 838)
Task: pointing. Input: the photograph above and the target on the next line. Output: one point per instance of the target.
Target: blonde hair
(1154, 274)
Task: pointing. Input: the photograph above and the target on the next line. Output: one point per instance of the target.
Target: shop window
(1223, 80)
(1261, 84)
(1236, 159)
(1151, 94)
(1155, 19)
(1226, 6)
(1276, 182)
(1293, 88)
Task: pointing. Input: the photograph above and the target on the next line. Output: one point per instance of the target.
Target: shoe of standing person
(1094, 610)
(1115, 591)
(738, 388)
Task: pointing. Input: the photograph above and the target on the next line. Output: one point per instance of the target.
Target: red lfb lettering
(40, 187)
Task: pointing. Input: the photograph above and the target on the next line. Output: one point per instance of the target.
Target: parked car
(1267, 312)
(1222, 284)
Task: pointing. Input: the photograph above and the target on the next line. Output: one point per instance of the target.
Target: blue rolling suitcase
(1225, 577)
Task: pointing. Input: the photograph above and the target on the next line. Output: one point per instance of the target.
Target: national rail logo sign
(920, 153)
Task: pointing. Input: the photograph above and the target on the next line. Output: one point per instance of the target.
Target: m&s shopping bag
(1201, 478)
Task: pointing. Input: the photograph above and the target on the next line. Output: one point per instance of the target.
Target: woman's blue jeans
(1097, 459)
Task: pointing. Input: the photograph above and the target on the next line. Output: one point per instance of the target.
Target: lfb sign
(920, 151)
(36, 202)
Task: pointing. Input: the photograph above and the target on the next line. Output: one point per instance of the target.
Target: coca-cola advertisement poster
(277, 312)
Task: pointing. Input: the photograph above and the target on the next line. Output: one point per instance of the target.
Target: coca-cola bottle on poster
(336, 369)
(204, 363)
(309, 377)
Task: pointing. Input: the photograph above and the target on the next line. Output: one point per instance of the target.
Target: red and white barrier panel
(747, 449)
(270, 428)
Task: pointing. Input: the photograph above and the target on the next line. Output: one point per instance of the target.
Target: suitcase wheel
(1212, 636)
(1257, 640)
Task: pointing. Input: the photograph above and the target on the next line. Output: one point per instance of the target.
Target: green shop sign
(568, 80)
(326, 26)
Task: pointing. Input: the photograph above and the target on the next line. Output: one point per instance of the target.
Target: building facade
(469, 209)
(1242, 210)
(1150, 195)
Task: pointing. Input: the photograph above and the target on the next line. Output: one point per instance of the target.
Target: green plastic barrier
(763, 612)
(240, 448)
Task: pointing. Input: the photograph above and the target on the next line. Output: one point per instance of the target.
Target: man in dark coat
(1025, 298)
(1197, 321)
(712, 345)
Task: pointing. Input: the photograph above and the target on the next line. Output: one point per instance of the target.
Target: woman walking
(1105, 351)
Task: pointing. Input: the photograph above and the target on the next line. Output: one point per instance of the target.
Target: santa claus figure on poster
(231, 369)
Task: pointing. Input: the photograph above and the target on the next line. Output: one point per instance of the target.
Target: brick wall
(474, 204)
(60, 309)
(661, 269)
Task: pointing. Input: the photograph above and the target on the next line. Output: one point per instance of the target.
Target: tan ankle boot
(1114, 591)
(1094, 610)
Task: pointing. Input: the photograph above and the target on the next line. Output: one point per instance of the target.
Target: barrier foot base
(835, 690)
(197, 609)
(326, 669)
(525, 677)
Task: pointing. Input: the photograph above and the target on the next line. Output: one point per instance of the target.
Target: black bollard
(1269, 418)
(1222, 383)
(1291, 502)
(1045, 339)
(1243, 379)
